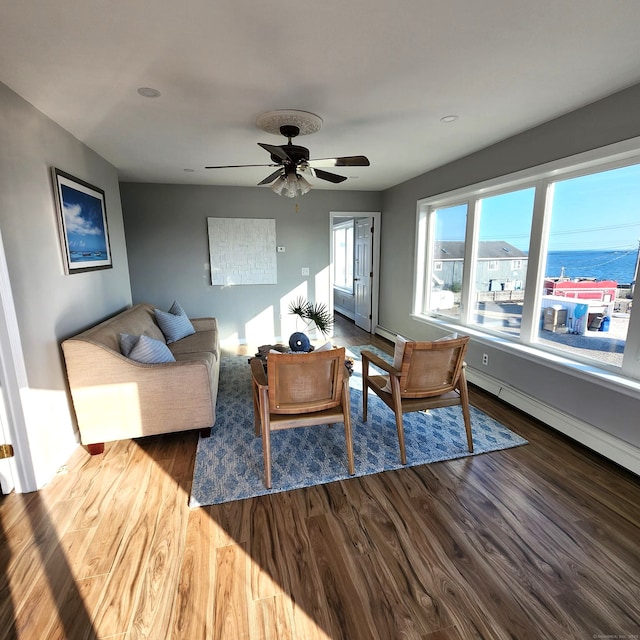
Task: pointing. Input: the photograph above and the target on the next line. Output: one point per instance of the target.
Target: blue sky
(599, 211)
(83, 220)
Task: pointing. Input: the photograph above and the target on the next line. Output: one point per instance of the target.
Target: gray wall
(166, 255)
(49, 304)
(607, 121)
(166, 229)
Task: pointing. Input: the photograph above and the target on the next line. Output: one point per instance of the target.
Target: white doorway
(360, 302)
(362, 271)
(15, 472)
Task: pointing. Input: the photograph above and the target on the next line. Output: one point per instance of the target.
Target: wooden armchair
(427, 375)
(300, 390)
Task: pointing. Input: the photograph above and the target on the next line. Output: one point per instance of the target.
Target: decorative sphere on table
(298, 341)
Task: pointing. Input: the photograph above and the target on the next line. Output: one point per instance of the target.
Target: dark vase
(298, 341)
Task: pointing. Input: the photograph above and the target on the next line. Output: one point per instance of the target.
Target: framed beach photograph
(82, 220)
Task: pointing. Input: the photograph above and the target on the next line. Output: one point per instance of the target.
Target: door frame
(13, 378)
(375, 257)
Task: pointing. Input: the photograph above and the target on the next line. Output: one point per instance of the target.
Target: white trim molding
(13, 377)
(615, 449)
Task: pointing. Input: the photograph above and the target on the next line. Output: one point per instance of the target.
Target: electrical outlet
(305, 271)
(485, 359)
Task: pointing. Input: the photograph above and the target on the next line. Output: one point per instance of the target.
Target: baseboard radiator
(615, 449)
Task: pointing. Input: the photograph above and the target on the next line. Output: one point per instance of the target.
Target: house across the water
(500, 265)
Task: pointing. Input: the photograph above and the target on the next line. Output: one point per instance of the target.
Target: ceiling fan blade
(345, 161)
(239, 166)
(279, 152)
(271, 178)
(325, 175)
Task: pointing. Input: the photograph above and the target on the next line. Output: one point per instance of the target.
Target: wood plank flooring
(541, 541)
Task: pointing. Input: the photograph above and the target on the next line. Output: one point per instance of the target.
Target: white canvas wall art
(242, 251)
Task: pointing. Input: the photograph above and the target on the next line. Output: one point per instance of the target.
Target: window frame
(542, 178)
(344, 225)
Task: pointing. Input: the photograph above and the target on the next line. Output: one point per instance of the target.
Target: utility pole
(635, 273)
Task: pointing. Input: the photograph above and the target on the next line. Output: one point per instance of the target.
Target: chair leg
(365, 388)
(467, 425)
(265, 428)
(266, 453)
(400, 428)
(256, 410)
(397, 409)
(466, 414)
(348, 437)
(346, 408)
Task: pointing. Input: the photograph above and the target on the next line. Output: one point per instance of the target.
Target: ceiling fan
(292, 159)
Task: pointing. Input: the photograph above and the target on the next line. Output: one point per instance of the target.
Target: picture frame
(82, 222)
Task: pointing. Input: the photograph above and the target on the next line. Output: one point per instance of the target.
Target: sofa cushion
(196, 343)
(150, 351)
(175, 323)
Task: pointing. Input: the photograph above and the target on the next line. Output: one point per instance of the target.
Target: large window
(591, 263)
(548, 259)
(343, 255)
(504, 233)
(448, 259)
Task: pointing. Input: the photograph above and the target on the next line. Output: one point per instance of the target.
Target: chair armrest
(369, 356)
(258, 372)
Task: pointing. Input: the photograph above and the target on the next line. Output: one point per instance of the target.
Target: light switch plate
(305, 271)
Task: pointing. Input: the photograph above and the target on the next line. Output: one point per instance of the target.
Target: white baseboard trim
(385, 333)
(345, 312)
(615, 449)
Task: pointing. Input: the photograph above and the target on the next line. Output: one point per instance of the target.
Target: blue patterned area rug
(229, 466)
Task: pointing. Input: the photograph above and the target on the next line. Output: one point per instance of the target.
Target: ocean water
(602, 265)
(87, 256)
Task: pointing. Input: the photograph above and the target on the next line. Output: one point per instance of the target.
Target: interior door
(363, 272)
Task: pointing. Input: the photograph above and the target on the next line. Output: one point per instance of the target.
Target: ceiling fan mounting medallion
(292, 159)
(273, 121)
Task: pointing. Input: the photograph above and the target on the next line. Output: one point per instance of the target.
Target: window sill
(603, 377)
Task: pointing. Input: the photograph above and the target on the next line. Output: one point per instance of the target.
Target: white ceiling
(380, 73)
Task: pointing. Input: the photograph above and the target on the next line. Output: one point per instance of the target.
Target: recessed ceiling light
(148, 92)
(451, 118)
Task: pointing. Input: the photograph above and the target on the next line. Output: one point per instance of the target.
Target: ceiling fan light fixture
(291, 185)
(304, 185)
(292, 158)
(279, 185)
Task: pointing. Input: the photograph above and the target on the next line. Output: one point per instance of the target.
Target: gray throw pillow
(127, 342)
(150, 351)
(174, 323)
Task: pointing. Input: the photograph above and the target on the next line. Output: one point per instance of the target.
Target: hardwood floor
(541, 541)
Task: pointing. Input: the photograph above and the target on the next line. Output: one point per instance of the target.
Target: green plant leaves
(318, 313)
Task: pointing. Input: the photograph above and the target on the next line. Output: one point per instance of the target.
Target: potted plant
(317, 314)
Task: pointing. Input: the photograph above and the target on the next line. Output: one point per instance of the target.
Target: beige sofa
(117, 398)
